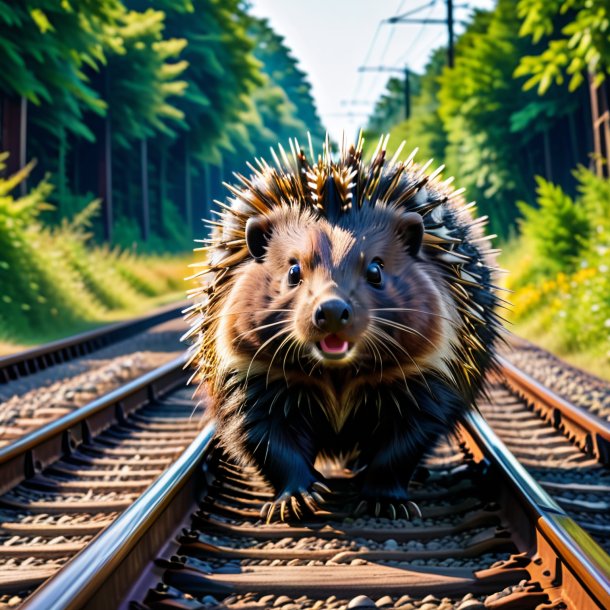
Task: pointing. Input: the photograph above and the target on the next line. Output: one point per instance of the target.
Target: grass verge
(54, 282)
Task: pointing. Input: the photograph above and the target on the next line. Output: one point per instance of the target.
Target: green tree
(424, 128)
(575, 39)
(390, 108)
(143, 71)
(221, 70)
(558, 228)
(45, 47)
(492, 124)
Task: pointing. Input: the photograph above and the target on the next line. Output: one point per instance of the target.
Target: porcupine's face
(334, 295)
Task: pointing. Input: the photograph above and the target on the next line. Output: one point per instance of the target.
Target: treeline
(148, 109)
(515, 105)
(514, 123)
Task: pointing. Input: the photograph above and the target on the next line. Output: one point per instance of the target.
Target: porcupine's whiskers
(219, 315)
(411, 309)
(287, 339)
(400, 347)
(257, 328)
(277, 334)
(370, 343)
(292, 346)
(385, 337)
(402, 327)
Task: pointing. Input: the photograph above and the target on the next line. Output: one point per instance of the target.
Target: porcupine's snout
(333, 318)
(333, 315)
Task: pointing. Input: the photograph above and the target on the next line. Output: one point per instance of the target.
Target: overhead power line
(407, 81)
(367, 57)
(409, 13)
(356, 102)
(448, 21)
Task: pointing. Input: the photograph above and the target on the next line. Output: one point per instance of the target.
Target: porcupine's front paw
(388, 502)
(295, 501)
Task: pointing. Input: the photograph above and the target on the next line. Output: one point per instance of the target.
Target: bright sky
(332, 38)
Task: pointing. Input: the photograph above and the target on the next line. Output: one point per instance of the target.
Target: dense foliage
(148, 106)
(511, 121)
(52, 281)
(576, 34)
(493, 133)
(560, 267)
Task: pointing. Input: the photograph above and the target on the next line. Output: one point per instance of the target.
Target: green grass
(54, 282)
(559, 270)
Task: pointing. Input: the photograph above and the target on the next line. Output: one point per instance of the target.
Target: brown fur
(332, 258)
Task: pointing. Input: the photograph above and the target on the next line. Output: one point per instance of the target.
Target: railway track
(65, 482)
(564, 446)
(42, 384)
(28, 362)
(489, 537)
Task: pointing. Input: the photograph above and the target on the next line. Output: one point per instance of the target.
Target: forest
(522, 122)
(120, 121)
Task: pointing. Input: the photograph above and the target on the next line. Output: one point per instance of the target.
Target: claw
(282, 510)
(405, 510)
(361, 508)
(320, 487)
(317, 497)
(265, 510)
(271, 512)
(296, 509)
(377, 508)
(392, 512)
(309, 501)
(413, 507)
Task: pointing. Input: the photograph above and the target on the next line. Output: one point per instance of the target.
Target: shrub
(53, 281)
(558, 229)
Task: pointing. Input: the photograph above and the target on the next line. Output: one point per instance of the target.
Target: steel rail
(590, 432)
(99, 569)
(31, 453)
(30, 361)
(577, 550)
(107, 569)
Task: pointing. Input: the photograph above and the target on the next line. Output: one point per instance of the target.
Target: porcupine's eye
(373, 273)
(294, 274)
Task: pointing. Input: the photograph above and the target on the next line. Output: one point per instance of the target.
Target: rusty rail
(589, 432)
(559, 537)
(31, 453)
(100, 574)
(27, 362)
(564, 559)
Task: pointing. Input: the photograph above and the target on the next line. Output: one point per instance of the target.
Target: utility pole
(448, 22)
(450, 48)
(407, 83)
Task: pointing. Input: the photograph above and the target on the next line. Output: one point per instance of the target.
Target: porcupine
(349, 309)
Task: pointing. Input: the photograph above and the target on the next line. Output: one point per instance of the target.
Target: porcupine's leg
(395, 451)
(385, 479)
(283, 447)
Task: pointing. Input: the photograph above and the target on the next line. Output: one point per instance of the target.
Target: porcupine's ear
(258, 232)
(411, 231)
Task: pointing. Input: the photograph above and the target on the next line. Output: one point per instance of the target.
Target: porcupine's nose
(332, 315)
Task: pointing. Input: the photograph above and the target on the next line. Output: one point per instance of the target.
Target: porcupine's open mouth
(333, 347)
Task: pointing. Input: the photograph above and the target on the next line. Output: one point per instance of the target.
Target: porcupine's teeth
(333, 344)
